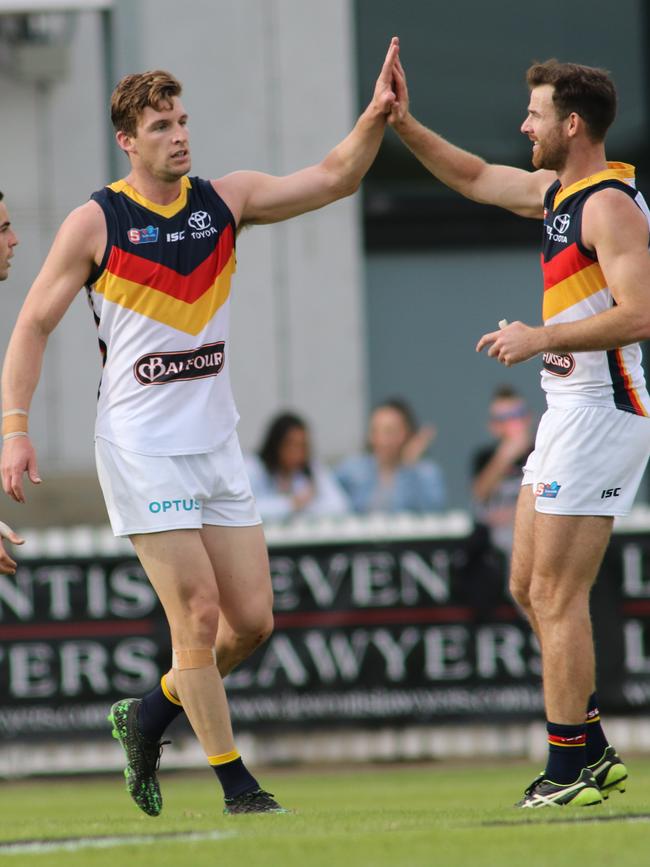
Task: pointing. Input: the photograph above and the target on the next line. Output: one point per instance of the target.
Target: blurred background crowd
(382, 295)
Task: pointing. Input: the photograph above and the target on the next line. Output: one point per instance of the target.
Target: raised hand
(418, 444)
(400, 107)
(384, 95)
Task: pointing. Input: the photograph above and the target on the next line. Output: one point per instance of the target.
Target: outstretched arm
(255, 197)
(513, 189)
(66, 269)
(616, 229)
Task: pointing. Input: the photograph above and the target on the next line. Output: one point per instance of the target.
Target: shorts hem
(578, 513)
(139, 530)
(143, 530)
(208, 449)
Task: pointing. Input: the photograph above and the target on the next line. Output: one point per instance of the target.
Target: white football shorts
(152, 493)
(588, 460)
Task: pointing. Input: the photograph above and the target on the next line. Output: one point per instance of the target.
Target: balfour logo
(157, 506)
(160, 367)
(201, 222)
(148, 235)
(550, 490)
(559, 363)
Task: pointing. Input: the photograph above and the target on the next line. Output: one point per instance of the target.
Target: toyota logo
(200, 220)
(561, 223)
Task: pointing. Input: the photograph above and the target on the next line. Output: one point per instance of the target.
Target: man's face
(8, 241)
(545, 130)
(509, 416)
(161, 142)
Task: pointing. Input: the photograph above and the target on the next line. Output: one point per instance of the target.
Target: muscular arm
(513, 189)
(616, 229)
(66, 269)
(255, 197)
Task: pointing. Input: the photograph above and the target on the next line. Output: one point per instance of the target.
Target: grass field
(441, 814)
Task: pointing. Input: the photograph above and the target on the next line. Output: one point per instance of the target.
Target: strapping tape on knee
(199, 657)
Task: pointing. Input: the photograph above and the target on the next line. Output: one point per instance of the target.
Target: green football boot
(584, 792)
(610, 772)
(257, 801)
(142, 756)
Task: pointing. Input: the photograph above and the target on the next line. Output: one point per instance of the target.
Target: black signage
(400, 632)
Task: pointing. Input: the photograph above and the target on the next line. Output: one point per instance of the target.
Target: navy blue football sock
(596, 740)
(567, 752)
(157, 710)
(234, 776)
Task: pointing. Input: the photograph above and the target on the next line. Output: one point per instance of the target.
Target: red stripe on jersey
(190, 287)
(626, 382)
(564, 265)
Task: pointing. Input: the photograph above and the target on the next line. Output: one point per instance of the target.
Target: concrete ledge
(522, 741)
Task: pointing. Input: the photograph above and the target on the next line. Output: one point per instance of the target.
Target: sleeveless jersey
(160, 298)
(575, 288)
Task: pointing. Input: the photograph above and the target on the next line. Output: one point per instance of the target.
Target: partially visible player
(8, 240)
(156, 252)
(593, 442)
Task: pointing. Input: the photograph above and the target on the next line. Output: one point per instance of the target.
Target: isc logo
(610, 492)
(176, 236)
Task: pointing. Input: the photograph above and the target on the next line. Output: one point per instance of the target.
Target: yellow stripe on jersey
(163, 210)
(616, 172)
(573, 289)
(149, 302)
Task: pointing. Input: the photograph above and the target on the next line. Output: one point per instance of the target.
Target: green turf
(439, 814)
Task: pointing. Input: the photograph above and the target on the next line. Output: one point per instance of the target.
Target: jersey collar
(614, 172)
(169, 210)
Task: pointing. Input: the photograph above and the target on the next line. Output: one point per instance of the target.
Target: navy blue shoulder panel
(101, 197)
(179, 242)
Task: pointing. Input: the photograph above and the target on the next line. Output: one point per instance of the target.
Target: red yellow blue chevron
(185, 302)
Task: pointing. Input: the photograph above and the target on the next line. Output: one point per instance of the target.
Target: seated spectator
(497, 468)
(392, 476)
(286, 480)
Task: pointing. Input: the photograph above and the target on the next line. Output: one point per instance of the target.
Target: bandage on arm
(201, 657)
(15, 423)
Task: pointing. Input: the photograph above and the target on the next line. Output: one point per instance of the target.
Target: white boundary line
(37, 847)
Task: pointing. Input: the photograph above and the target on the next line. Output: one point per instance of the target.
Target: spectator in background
(392, 476)
(285, 479)
(497, 468)
(8, 241)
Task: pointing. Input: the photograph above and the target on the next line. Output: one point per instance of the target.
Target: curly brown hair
(133, 93)
(585, 90)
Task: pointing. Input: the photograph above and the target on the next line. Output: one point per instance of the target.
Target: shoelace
(154, 751)
(160, 752)
(534, 785)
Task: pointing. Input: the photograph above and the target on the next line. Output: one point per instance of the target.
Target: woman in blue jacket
(392, 476)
